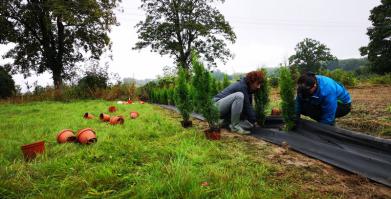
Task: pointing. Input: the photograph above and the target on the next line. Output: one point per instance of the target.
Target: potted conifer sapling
(262, 99)
(183, 98)
(287, 92)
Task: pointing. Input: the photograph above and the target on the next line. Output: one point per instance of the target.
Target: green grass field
(150, 157)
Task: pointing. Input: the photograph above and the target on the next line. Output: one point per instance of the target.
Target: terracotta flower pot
(134, 115)
(86, 136)
(112, 109)
(104, 117)
(186, 124)
(66, 135)
(88, 116)
(142, 102)
(30, 150)
(213, 134)
(130, 101)
(276, 112)
(117, 120)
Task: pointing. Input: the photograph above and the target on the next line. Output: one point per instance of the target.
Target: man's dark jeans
(315, 111)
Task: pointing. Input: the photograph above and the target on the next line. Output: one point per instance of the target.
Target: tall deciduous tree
(7, 84)
(176, 27)
(379, 47)
(310, 55)
(53, 35)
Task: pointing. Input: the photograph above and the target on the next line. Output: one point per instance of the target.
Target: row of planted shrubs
(193, 91)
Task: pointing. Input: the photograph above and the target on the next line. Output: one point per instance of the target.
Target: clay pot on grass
(30, 150)
(66, 135)
(112, 109)
(86, 136)
(213, 134)
(104, 117)
(117, 120)
(142, 102)
(187, 124)
(88, 116)
(130, 101)
(276, 112)
(134, 115)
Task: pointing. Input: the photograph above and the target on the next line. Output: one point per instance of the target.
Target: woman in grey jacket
(235, 102)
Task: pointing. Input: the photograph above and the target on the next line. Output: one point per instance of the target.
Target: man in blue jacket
(321, 98)
(235, 102)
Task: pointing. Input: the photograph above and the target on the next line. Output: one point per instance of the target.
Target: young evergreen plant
(197, 83)
(287, 92)
(183, 97)
(214, 86)
(262, 99)
(225, 81)
(203, 93)
(209, 110)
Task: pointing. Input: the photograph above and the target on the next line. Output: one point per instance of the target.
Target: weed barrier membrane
(358, 153)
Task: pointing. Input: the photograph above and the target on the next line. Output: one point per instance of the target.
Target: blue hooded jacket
(240, 86)
(327, 95)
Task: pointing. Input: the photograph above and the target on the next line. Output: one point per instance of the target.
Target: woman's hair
(254, 76)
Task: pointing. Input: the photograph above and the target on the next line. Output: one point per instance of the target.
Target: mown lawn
(154, 157)
(150, 157)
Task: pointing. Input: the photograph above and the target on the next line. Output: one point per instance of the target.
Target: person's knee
(239, 95)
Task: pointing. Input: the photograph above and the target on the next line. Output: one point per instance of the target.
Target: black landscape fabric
(362, 154)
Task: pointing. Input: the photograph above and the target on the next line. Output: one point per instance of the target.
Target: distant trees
(379, 47)
(310, 55)
(225, 81)
(177, 27)
(52, 35)
(348, 64)
(95, 79)
(7, 84)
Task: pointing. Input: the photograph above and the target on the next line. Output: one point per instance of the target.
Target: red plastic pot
(130, 101)
(66, 135)
(104, 117)
(213, 134)
(141, 102)
(134, 115)
(112, 109)
(88, 116)
(117, 120)
(276, 112)
(30, 150)
(86, 136)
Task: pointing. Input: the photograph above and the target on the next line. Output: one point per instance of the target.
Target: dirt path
(312, 174)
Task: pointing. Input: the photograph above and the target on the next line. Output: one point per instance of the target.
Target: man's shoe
(245, 124)
(238, 129)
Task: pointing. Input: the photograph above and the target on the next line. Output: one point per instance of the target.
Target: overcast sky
(267, 33)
